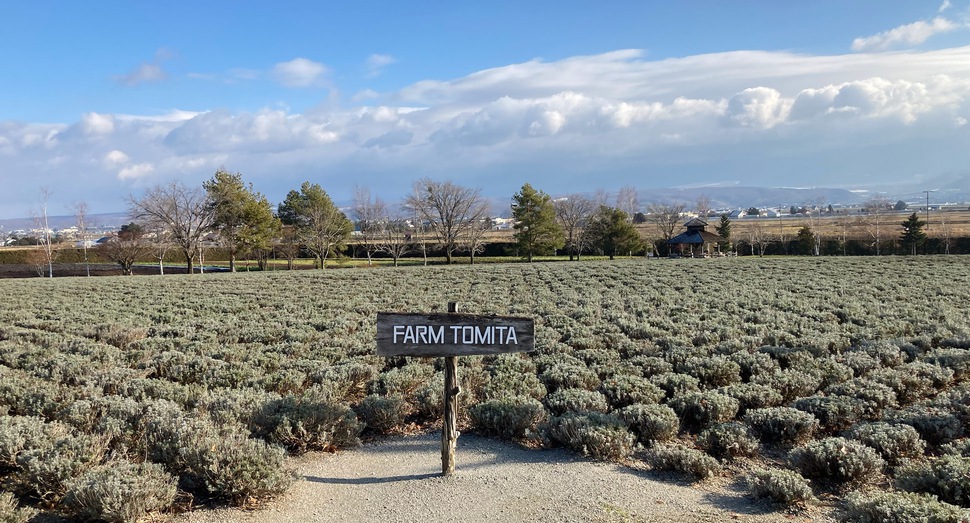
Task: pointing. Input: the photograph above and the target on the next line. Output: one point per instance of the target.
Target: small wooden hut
(695, 241)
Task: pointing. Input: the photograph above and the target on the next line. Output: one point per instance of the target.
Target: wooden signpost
(451, 335)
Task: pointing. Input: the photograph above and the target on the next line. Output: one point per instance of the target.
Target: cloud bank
(607, 120)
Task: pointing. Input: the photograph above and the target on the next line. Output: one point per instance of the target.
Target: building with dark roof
(695, 241)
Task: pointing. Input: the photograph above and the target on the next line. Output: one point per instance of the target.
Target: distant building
(695, 241)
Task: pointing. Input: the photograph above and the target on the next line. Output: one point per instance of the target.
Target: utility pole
(927, 210)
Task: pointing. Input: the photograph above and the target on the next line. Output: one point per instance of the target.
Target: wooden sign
(452, 334)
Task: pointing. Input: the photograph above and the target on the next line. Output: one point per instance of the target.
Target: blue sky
(103, 99)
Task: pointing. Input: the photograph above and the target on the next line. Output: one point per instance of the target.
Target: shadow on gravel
(369, 481)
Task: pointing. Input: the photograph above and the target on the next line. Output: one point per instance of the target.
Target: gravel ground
(399, 480)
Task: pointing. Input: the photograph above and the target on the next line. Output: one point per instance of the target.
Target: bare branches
(573, 212)
(183, 212)
(628, 201)
(452, 211)
(666, 217)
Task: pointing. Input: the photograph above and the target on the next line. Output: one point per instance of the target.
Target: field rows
(195, 386)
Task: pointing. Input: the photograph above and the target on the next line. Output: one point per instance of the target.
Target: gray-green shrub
(728, 440)
(674, 384)
(791, 383)
(238, 469)
(382, 414)
(947, 477)
(510, 417)
(837, 459)
(623, 390)
(875, 397)
(306, 423)
(576, 400)
(935, 425)
(121, 492)
(45, 471)
(597, 435)
(899, 507)
(712, 372)
(698, 410)
(914, 381)
(782, 424)
(752, 396)
(565, 376)
(960, 447)
(895, 443)
(834, 413)
(679, 458)
(402, 381)
(20, 433)
(782, 486)
(650, 422)
(12, 512)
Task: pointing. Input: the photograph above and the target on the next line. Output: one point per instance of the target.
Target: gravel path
(399, 480)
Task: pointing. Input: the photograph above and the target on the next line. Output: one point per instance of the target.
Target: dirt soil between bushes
(399, 480)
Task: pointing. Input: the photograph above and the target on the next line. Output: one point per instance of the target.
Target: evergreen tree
(536, 228)
(913, 234)
(320, 225)
(806, 240)
(610, 231)
(723, 229)
(243, 217)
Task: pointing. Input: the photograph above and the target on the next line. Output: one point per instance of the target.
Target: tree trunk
(189, 261)
(232, 260)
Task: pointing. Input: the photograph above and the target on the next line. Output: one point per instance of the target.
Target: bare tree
(628, 201)
(815, 210)
(473, 241)
(370, 215)
(600, 197)
(759, 237)
(452, 211)
(876, 208)
(666, 217)
(394, 239)
(572, 212)
(80, 218)
(160, 244)
(47, 237)
(946, 232)
(703, 207)
(125, 247)
(289, 245)
(183, 212)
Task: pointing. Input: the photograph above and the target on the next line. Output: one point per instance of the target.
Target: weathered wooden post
(449, 426)
(451, 335)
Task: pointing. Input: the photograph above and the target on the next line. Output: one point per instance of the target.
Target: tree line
(435, 216)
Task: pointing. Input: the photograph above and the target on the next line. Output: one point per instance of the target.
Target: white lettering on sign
(460, 334)
(425, 334)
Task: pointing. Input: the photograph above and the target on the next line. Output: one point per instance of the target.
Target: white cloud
(115, 158)
(909, 34)
(760, 107)
(574, 124)
(300, 72)
(944, 6)
(376, 64)
(97, 124)
(136, 171)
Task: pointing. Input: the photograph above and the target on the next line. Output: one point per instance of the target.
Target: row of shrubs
(629, 362)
